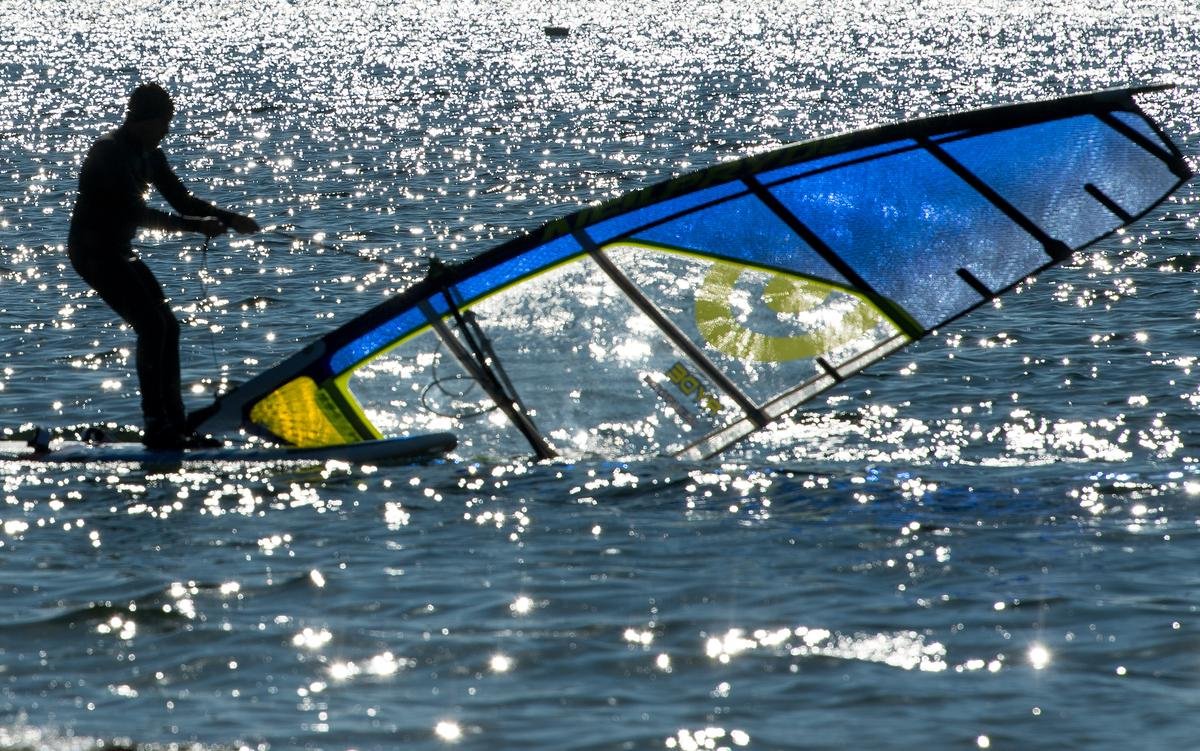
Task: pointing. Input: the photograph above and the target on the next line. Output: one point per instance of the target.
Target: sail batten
(683, 317)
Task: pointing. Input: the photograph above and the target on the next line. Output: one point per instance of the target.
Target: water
(985, 542)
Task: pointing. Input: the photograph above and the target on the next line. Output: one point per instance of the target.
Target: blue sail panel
(631, 221)
(743, 230)
(1057, 160)
(813, 166)
(1143, 127)
(398, 328)
(906, 224)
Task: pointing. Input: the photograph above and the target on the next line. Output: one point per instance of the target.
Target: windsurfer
(113, 181)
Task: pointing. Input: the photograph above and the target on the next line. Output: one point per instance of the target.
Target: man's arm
(182, 200)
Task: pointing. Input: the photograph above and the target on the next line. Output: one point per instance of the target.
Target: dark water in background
(988, 541)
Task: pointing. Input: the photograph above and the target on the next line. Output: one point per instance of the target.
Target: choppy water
(988, 541)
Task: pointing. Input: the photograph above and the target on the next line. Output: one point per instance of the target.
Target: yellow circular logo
(785, 295)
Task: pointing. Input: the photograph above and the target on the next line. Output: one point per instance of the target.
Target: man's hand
(210, 226)
(244, 225)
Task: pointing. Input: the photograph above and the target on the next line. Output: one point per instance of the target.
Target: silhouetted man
(113, 182)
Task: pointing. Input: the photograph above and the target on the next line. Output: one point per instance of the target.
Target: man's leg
(158, 366)
(130, 289)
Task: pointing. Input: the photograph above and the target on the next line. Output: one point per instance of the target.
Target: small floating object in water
(556, 31)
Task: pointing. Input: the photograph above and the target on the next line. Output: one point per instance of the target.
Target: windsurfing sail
(683, 317)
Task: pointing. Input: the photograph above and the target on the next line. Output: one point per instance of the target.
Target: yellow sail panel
(305, 414)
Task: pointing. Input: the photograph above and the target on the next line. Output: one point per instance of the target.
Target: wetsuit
(113, 182)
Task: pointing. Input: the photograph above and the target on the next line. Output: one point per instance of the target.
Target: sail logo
(832, 316)
(693, 388)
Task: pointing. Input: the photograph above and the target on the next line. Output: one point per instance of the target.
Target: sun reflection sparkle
(906, 650)
(448, 731)
(500, 663)
(312, 638)
(522, 605)
(1039, 656)
(706, 738)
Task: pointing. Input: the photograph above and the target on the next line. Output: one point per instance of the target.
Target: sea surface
(989, 540)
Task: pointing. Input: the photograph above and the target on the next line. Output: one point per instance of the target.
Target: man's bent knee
(160, 325)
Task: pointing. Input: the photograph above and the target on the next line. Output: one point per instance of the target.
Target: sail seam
(632, 233)
(909, 145)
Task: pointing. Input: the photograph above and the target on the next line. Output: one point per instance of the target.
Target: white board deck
(412, 448)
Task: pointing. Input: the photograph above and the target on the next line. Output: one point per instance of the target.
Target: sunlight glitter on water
(905, 650)
(448, 731)
(1039, 657)
(379, 666)
(708, 739)
(312, 639)
(379, 134)
(500, 663)
(522, 605)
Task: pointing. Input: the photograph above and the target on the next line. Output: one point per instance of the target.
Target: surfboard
(387, 450)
